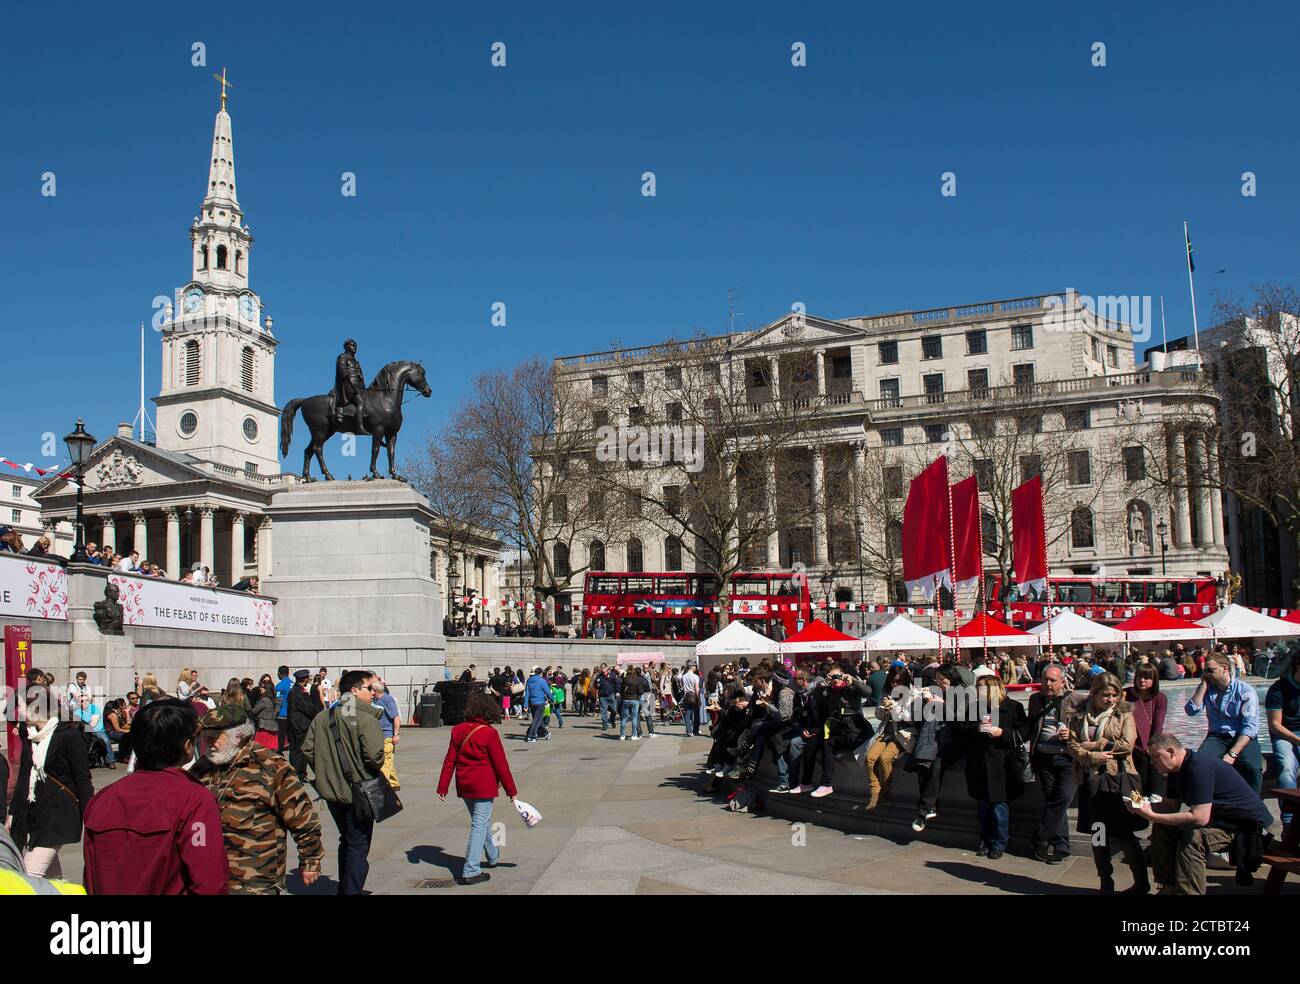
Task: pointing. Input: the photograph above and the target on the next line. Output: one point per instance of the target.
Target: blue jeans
(995, 823)
(555, 713)
(480, 837)
(691, 719)
(647, 712)
(539, 721)
(1287, 757)
(632, 713)
(608, 712)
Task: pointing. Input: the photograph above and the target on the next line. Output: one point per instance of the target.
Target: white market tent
(736, 640)
(900, 632)
(1071, 629)
(1238, 622)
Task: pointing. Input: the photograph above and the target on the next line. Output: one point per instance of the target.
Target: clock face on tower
(248, 308)
(193, 300)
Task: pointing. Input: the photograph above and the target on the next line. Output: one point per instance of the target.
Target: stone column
(819, 507)
(1181, 534)
(237, 547)
(205, 536)
(774, 534)
(1199, 480)
(821, 371)
(173, 543)
(141, 541)
(264, 548)
(1216, 492)
(108, 534)
(776, 377)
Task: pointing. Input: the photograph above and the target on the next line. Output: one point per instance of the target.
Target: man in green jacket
(362, 741)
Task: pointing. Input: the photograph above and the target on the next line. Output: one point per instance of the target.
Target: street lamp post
(1162, 530)
(827, 580)
(80, 445)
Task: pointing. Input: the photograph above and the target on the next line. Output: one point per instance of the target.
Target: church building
(197, 494)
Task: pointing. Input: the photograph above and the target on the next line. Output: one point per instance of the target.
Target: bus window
(707, 587)
(1161, 593)
(601, 584)
(639, 585)
(1110, 591)
(1135, 591)
(1072, 592)
(673, 586)
(640, 626)
(681, 625)
(1187, 592)
(749, 584)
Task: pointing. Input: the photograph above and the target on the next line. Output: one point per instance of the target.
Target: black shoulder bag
(372, 799)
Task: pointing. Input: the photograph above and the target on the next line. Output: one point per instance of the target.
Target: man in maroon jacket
(158, 830)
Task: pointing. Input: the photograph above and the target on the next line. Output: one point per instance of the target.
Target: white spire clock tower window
(217, 400)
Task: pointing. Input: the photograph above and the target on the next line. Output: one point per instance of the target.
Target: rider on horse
(349, 386)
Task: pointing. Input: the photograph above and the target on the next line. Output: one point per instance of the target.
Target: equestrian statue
(353, 408)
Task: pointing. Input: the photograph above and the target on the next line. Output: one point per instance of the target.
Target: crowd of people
(11, 541)
(473, 627)
(1094, 731)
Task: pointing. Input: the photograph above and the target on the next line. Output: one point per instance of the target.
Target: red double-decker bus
(1112, 599)
(660, 605)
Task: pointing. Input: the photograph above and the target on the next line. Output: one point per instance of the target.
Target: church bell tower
(217, 400)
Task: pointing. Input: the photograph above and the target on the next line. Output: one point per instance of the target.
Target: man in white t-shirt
(129, 564)
(690, 681)
(326, 687)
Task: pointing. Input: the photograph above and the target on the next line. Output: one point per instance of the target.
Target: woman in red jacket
(478, 759)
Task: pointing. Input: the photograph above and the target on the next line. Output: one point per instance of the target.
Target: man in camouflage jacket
(260, 798)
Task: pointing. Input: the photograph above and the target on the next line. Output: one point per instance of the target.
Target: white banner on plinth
(169, 605)
(31, 588)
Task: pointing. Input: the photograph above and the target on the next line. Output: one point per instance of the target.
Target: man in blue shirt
(537, 694)
(1282, 705)
(1232, 707)
(1218, 803)
(282, 689)
(390, 723)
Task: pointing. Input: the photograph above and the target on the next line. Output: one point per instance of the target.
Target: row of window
(977, 343)
(634, 556)
(194, 365)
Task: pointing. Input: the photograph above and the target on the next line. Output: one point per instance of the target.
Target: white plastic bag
(528, 813)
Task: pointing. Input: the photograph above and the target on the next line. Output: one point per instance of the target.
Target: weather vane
(224, 84)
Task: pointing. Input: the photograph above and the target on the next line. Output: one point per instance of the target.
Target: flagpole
(1164, 342)
(1047, 567)
(1191, 286)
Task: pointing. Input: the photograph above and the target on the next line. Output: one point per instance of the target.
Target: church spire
(221, 172)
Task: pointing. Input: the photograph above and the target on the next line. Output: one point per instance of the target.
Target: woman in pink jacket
(478, 760)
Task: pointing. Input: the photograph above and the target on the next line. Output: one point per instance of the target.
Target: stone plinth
(350, 567)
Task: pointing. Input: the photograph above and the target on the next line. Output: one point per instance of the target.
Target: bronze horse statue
(383, 406)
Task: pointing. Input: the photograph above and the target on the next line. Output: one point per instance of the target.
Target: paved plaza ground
(627, 818)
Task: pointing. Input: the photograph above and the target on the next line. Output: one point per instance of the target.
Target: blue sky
(523, 184)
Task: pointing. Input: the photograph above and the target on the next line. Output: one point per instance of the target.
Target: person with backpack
(630, 694)
(476, 757)
(558, 680)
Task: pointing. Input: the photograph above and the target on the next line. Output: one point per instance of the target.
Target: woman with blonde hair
(1102, 738)
(993, 772)
(186, 684)
(149, 689)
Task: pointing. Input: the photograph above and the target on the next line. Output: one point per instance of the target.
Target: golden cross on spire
(224, 83)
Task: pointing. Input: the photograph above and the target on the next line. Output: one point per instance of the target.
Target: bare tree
(728, 464)
(1256, 369)
(519, 439)
(461, 512)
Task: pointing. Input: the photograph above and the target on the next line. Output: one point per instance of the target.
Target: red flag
(967, 563)
(1028, 536)
(925, 530)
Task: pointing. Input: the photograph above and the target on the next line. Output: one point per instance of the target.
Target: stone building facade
(899, 389)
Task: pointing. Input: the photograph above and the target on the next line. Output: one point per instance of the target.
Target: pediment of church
(120, 464)
(798, 329)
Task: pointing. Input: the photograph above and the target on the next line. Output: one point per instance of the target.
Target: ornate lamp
(80, 445)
